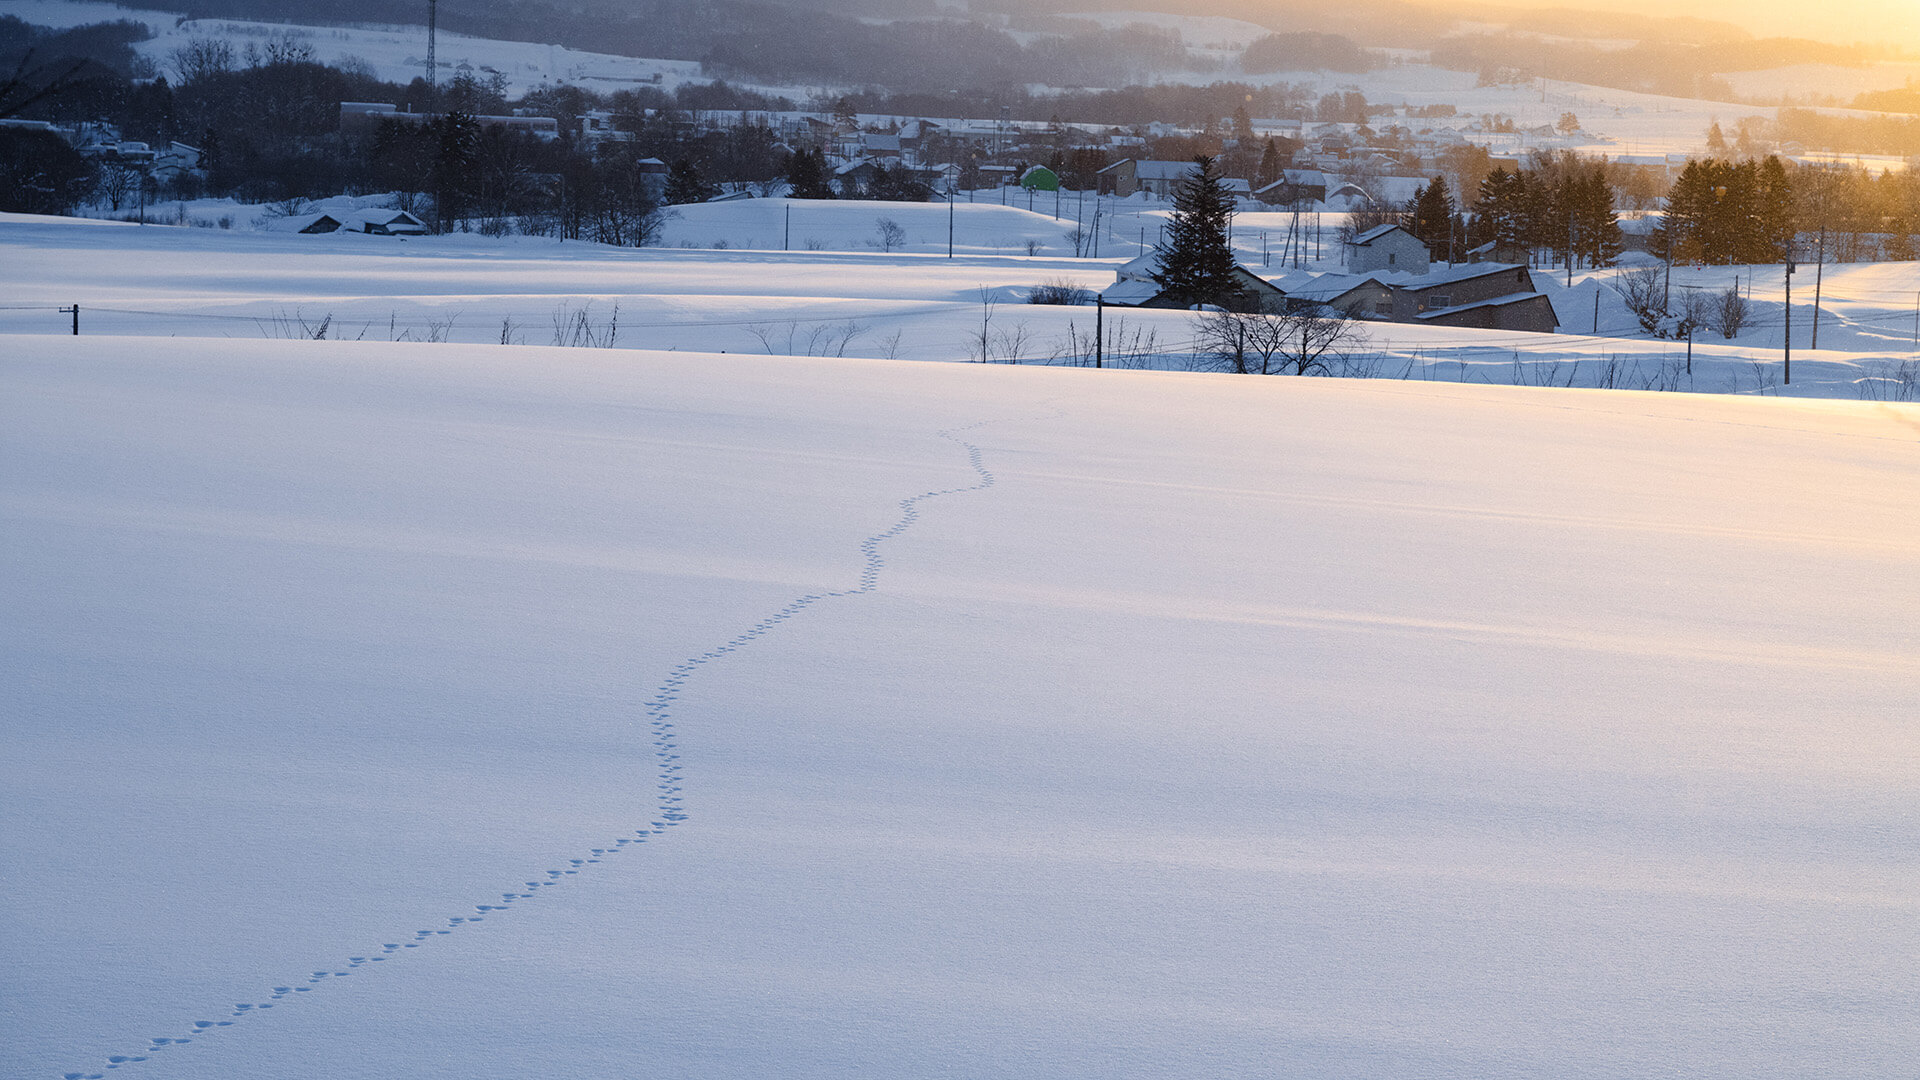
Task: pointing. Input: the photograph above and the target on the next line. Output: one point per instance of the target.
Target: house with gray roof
(1128, 175)
(1295, 187)
(1485, 296)
(1387, 247)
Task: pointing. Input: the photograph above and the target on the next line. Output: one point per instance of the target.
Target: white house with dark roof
(1387, 247)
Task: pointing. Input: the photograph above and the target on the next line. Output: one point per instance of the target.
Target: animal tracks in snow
(669, 808)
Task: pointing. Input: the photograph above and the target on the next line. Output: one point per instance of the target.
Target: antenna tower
(433, 16)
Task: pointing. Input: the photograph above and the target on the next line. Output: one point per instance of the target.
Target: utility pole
(1786, 339)
(1666, 289)
(1099, 328)
(950, 224)
(1818, 269)
(1570, 222)
(75, 311)
(433, 17)
(786, 233)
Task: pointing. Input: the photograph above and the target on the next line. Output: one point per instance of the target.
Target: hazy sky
(1893, 21)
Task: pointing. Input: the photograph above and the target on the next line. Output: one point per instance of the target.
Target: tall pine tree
(1195, 263)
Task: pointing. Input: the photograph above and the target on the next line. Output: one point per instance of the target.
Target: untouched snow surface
(535, 712)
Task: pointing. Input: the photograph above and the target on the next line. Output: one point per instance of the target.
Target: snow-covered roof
(1163, 170)
(300, 223)
(1131, 292)
(1454, 274)
(1332, 286)
(1142, 266)
(390, 219)
(1297, 178)
(1375, 233)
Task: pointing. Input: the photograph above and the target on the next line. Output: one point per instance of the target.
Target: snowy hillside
(393, 53)
(1614, 122)
(449, 711)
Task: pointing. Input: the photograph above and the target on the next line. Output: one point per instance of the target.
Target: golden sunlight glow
(1889, 22)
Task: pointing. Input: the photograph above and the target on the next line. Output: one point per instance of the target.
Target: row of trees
(1562, 206)
(1726, 212)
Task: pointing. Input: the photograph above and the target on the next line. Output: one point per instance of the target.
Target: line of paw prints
(669, 800)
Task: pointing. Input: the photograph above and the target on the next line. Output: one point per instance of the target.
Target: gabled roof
(1329, 287)
(1376, 233)
(1130, 293)
(1297, 178)
(1453, 275)
(306, 223)
(382, 216)
(1141, 266)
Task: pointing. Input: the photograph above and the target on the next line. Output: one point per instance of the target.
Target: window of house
(1391, 258)
(1439, 300)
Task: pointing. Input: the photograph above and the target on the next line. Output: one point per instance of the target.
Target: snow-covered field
(847, 298)
(392, 709)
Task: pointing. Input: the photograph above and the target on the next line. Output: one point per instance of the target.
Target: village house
(1484, 296)
(596, 127)
(375, 222)
(1128, 175)
(1135, 287)
(1387, 247)
(1357, 296)
(1295, 187)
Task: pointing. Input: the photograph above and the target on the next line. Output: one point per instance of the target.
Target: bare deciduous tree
(1729, 312)
(116, 183)
(1645, 296)
(1305, 342)
(889, 235)
(202, 57)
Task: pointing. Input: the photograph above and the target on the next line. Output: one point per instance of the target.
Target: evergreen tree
(1271, 167)
(1600, 221)
(807, 175)
(1689, 204)
(1195, 264)
(1500, 210)
(686, 185)
(456, 137)
(1242, 125)
(1775, 210)
(1533, 194)
(1431, 218)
